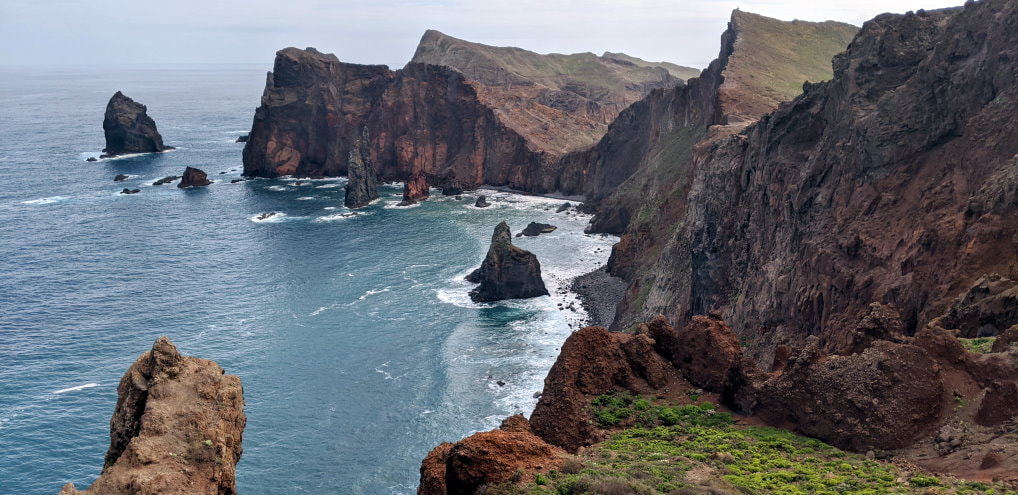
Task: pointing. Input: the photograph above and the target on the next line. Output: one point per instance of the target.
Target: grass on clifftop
(695, 449)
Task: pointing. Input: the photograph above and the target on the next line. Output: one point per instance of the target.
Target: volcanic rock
(415, 189)
(129, 129)
(166, 180)
(487, 458)
(360, 186)
(563, 207)
(177, 428)
(193, 177)
(452, 191)
(534, 229)
(999, 405)
(507, 272)
(1006, 340)
(130, 191)
(985, 309)
(242, 139)
(482, 202)
(121, 177)
(91, 159)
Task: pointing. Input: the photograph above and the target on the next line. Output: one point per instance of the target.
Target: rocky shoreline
(599, 294)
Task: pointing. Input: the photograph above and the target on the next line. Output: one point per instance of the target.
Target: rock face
(129, 129)
(987, 308)
(871, 187)
(193, 177)
(507, 272)
(361, 189)
(177, 428)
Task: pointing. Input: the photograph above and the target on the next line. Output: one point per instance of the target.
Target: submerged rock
(535, 229)
(177, 428)
(360, 186)
(507, 272)
(563, 207)
(129, 129)
(166, 180)
(194, 177)
(91, 159)
(120, 178)
(130, 191)
(482, 202)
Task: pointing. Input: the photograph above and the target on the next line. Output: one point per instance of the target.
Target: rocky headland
(129, 129)
(507, 272)
(177, 428)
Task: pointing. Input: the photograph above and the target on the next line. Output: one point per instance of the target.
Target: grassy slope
(679, 71)
(689, 449)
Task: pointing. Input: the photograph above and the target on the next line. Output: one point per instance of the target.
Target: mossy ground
(696, 449)
(980, 345)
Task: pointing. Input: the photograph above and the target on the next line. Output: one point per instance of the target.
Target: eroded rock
(507, 272)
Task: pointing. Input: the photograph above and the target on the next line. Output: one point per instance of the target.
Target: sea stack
(177, 428)
(193, 177)
(129, 129)
(360, 185)
(507, 272)
(415, 189)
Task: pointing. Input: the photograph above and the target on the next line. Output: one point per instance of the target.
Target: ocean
(356, 342)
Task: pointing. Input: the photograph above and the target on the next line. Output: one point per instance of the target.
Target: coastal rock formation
(534, 229)
(120, 178)
(415, 189)
(360, 186)
(871, 187)
(482, 202)
(177, 428)
(129, 129)
(166, 180)
(193, 177)
(985, 309)
(129, 191)
(507, 271)
(487, 458)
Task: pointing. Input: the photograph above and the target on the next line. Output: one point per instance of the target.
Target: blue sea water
(356, 342)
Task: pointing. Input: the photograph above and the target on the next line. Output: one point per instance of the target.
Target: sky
(128, 32)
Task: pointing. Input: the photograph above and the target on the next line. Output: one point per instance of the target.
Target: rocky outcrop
(120, 178)
(361, 189)
(985, 309)
(193, 177)
(129, 191)
(872, 187)
(482, 202)
(129, 129)
(534, 229)
(507, 271)
(415, 189)
(511, 452)
(177, 428)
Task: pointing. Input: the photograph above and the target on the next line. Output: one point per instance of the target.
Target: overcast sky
(64, 32)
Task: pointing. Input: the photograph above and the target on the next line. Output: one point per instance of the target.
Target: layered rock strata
(177, 428)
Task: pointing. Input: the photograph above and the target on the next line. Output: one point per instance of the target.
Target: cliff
(129, 129)
(177, 428)
(895, 182)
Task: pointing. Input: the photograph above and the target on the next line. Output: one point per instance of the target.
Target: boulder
(177, 428)
(482, 202)
(91, 159)
(129, 129)
(166, 180)
(120, 178)
(360, 186)
(130, 191)
(415, 189)
(535, 229)
(193, 177)
(563, 207)
(507, 272)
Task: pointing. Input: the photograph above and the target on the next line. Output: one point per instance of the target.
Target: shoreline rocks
(415, 189)
(482, 202)
(535, 229)
(194, 177)
(507, 272)
(361, 189)
(177, 428)
(129, 129)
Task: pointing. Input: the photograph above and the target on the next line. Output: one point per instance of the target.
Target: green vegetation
(677, 449)
(981, 345)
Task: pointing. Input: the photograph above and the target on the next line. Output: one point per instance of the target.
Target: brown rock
(487, 458)
(415, 189)
(1000, 404)
(706, 350)
(987, 308)
(177, 428)
(129, 129)
(193, 177)
(1005, 340)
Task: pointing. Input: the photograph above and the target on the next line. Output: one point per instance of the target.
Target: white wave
(396, 204)
(328, 186)
(277, 188)
(79, 387)
(269, 217)
(306, 198)
(373, 292)
(45, 201)
(337, 217)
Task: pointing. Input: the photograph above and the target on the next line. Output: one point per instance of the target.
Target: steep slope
(679, 71)
(895, 183)
(559, 102)
(177, 428)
